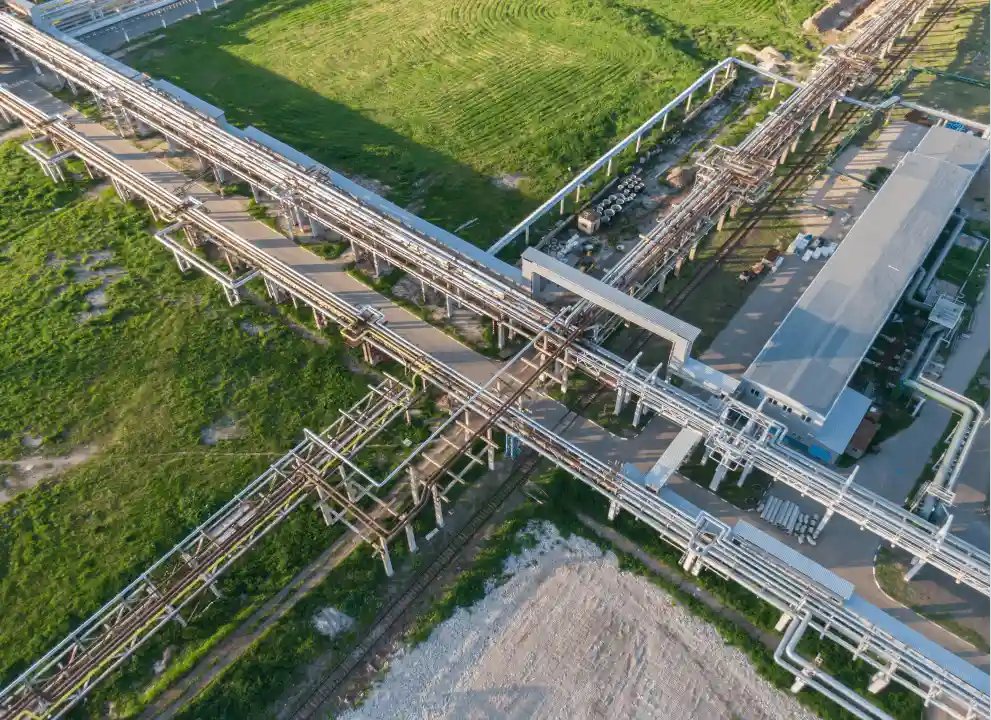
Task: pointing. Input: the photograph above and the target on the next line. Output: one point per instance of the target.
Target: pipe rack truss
(175, 588)
(964, 563)
(721, 552)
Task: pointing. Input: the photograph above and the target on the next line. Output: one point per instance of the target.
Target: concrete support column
(743, 475)
(639, 138)
(774, 89)
(721, 221)
(72, 88)
(613, 510)
(423, 291)
(501, 335)
(438, 508)
(794, 145)
(411, 538)
(317, 229)
(733, 210)
(526, 235)
(677, 266)
(660, 284)
(688, 103)
(375, 262)
(450, 307)
(562, 206)
(620, 401)
(712, 82)
(692, 251)
(414, 485)
(319, 319)
(832, 108)
(564, 373)
(784, 156)
(638, 413)
(386, 558)
(218, 174)
(13, 52)
(664, 122)
(717, 478)
(36, 66)
(255, 195)
(609, 168)
(491, 449)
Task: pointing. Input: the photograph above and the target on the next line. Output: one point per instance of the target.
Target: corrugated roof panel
(677, 501)
(843, 420)
(673, 457)
(954, 147)
(812, 570)
(812, 355)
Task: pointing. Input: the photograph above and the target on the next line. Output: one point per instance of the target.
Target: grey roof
(680, 333)
(812, 355)
(924, 646)
(843, 420)
(798, 562)
(954, 147)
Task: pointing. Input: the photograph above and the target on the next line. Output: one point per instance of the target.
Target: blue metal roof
(843, 420)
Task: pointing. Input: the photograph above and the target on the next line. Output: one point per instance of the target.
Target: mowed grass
(139, 383)
(957, 44)
(439, 100)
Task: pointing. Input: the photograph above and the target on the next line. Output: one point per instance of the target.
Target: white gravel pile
(570, 636)
(332, 622)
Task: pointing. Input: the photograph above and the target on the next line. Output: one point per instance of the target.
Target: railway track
(527, 464)
(393, 616)
(799, 170)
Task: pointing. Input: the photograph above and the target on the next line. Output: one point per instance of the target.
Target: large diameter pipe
(971, 416)
(951, 240)
(816, 678)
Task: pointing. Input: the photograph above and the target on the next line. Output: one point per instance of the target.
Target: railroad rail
(709, 544)
(467, 279)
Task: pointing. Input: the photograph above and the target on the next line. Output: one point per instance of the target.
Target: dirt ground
(571, 636)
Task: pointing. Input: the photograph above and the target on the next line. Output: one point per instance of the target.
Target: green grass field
(140, 382)
(439, 100)
(957, 44)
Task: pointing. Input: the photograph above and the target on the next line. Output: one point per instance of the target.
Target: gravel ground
(570, 636)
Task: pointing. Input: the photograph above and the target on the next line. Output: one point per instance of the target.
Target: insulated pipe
(971, 417)
(930, 340)
(807, 674)
(951, 239)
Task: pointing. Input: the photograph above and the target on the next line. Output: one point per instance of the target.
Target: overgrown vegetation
(463, 110)
(167, 359)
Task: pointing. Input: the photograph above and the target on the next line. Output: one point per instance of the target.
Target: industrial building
(801, 376)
